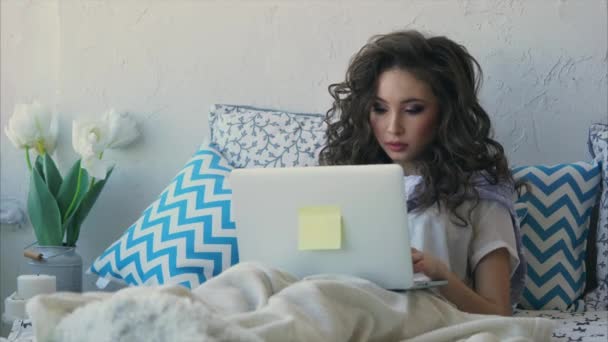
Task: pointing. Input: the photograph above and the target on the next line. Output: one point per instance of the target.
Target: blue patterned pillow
(185, 237)
(598, 146)
(253, 137)
(554, 232)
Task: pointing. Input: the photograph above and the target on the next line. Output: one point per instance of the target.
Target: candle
(14, 308)
(30, 285)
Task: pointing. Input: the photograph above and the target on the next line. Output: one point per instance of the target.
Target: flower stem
(73, 203)
(27, 158)
(40, 148)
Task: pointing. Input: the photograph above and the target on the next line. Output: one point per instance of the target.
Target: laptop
(344, 220)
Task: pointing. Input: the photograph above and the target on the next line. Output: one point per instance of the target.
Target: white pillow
(254, 137)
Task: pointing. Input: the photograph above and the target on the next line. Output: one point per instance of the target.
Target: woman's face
(404, 116)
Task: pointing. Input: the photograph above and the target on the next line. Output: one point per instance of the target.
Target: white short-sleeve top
(434, 230)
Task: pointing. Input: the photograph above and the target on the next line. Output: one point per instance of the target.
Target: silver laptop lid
(286, 218)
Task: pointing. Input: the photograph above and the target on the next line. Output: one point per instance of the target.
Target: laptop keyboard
(421, 277)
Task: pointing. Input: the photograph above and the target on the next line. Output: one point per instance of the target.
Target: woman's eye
(378, 109)
(414, 109)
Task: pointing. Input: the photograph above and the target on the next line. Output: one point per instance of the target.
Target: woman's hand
(429, 265)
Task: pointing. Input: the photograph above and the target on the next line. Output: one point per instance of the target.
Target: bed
(578, 313)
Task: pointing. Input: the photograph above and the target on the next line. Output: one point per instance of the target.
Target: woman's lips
(396, 147)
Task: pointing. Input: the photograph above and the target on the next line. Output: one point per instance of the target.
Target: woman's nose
(395, 126)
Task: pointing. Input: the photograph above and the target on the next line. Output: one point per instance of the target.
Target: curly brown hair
(463, 145)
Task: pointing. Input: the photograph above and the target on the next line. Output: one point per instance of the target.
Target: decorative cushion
(521, 210)
(554, 232)
(253, 137)
(185, 237)
(588, 326)
(598, 146)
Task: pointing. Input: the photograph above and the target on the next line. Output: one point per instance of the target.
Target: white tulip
(95, 166)
(122, 129)
(33, 126)
(89, 138)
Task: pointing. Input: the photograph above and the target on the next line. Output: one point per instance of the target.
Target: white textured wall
(166, 61)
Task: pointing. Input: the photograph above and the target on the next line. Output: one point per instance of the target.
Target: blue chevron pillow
(554, 232)
(185, 237)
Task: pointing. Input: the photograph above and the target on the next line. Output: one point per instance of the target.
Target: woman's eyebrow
(408, 100)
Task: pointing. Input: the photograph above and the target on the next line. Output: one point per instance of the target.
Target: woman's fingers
(419, 261)
(416, 255)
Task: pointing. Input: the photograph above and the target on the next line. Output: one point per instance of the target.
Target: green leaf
(72, 232)
(51, 174)
(73, 229)
(44, 212)
(68, 228)
(72, 190)
(38, 166)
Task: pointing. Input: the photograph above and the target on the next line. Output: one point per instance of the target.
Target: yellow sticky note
(320, 227)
